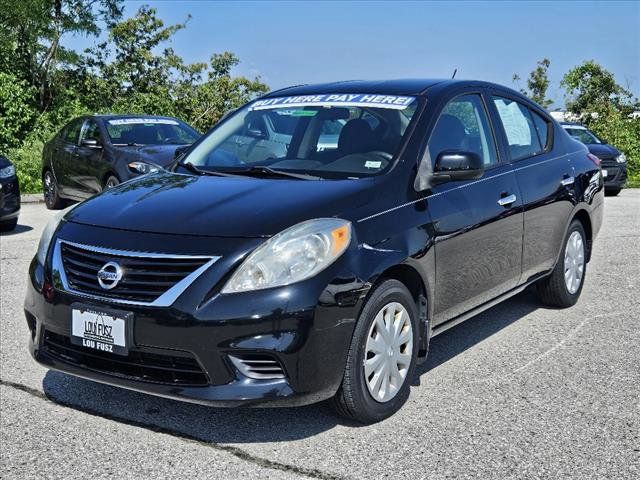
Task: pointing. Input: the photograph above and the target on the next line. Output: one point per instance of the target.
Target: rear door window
(522, 136)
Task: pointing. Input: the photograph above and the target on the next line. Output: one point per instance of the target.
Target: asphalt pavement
(520, 391)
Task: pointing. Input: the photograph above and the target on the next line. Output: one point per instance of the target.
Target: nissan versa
(322, 272)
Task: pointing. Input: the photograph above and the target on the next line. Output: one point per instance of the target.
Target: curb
(32, 198)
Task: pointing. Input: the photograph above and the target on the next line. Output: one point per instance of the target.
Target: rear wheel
(382, 356)
(563, 287)
(51, 197)
(111, 182)
(612, 192)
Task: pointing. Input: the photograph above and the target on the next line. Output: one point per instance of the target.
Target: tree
(134, 71)
(591, 88)
(537, 83)
(32, 30)
(16, 111)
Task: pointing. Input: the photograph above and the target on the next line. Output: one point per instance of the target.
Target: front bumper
(9, 199)
(306, 328)
(616, 174)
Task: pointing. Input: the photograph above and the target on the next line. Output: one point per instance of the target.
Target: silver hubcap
(49, 186)
(388, 352)
(574, 262)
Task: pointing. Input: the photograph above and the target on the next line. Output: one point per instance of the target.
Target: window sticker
(515, 123)
(394, 102)
(297, 113)
(372, 164)
(134, 121)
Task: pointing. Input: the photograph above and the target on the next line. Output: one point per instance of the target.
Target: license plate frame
(101, 329)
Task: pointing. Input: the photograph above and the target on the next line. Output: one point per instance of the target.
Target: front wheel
(562, 288)
(382, 356)
(51, 197)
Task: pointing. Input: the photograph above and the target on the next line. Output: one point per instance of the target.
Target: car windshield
(332, 136)
(150, 131)
(583, 135)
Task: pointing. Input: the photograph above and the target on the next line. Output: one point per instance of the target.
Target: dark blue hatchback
(613, 161)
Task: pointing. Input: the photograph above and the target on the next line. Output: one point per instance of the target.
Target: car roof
(381, 87)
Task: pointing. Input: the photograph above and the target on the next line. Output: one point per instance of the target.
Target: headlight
(142, 167)
(47, 234)
(8, 171)
(621, 158)
(292, 255)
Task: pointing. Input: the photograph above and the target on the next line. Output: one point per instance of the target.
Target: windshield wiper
(260, 170)
(193, 169)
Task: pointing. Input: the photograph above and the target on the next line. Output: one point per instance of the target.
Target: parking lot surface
(519, 391)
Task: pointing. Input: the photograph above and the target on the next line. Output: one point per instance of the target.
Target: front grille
(144, 278)
(140, 366)
(258, 366)
(611, 173)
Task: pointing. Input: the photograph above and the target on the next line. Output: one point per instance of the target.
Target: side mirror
(90, 143)
(453, 165)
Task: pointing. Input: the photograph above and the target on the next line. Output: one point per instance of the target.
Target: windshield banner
(394, 102)
(133, 121)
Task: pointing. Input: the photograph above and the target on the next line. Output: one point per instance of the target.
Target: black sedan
(240, 278)
(9, 196)
(93, 153)
(613, 161)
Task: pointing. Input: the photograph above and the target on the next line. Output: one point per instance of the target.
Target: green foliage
(537, 83)
(605, 107)
(590, 87)
(132, 71)
(623, 132)
(16, 111)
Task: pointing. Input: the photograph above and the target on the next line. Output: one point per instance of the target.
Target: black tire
(51, 197)
(553, 290)
(353, 399)
(612, 192)
(8, 225)
(110, 182)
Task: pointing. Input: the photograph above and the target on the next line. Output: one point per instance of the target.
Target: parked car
(240, 280)
(613, 161)
(96, 152)
(9, 195)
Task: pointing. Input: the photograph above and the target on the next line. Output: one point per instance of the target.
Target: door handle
(566, 181)
(506, 201)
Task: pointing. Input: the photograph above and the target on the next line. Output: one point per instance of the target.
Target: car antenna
(455, 70)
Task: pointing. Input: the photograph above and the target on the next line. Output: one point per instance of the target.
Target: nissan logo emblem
(109, 275)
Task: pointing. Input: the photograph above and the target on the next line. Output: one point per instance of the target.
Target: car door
(477, 223)
(91, 162)
(65, 164)
(544, 175)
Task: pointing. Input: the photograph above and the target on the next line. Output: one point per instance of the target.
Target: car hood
(159, 154)
(603, 150)
(178, 204)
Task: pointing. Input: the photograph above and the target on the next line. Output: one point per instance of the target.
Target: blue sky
(290, 43)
